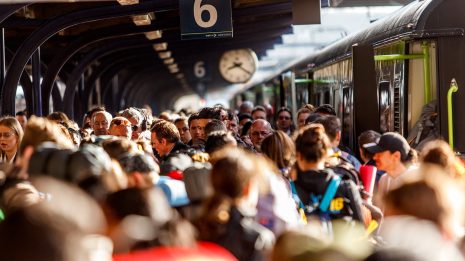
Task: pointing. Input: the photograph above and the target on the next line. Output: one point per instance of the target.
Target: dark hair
(312, 118)
(438, 152)
(332, 126)
(258, 108)
(246, 128)
(58, 116)
(210, 113)
(194, 116)
(286, 109)
(412, 157)
(325, 109)
(214, 125)
(182, 118)
(166, 130)
(217, 140)
(232, 171)
(368, 136)
(21, 113)
(312, 142)
(280, 149)
(243, 116)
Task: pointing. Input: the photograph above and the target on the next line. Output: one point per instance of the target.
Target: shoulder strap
(330, 192)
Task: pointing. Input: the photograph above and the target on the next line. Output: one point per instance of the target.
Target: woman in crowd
(228, 217)
(11, 135)
(281, 150)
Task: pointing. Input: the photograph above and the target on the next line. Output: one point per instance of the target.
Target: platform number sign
(199, 70)
(204, 19)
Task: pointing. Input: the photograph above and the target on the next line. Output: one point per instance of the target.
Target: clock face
(238, 66)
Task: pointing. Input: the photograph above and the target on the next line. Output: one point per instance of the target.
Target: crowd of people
(219, 184)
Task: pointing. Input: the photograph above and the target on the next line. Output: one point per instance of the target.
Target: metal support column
(36, 88)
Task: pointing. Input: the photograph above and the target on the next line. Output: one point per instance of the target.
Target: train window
(338, 106)
(20, 101)
(384, 96)
(346, 119)
(327, 97)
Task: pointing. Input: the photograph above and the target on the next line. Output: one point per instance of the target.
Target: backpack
(426, 128)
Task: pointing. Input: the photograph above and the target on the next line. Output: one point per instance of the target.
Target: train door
(347, 117)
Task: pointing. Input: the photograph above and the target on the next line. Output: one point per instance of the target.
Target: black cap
(390, 141)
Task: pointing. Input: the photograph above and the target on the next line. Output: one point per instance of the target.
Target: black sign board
(204, 19)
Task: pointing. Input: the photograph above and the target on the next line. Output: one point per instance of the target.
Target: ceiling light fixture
(173, 66)
(145, 19)
(152, 35)
(128, 2)
(160, 47)
(164, 55)
(168, 61)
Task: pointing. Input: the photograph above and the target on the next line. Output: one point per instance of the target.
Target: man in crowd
(259, 130)
(100, 122)
(166, 140)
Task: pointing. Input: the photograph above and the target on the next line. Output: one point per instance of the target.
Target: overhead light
(168, 61)
(173, 70)
(145, 19)
(173, 66)
(128, 2)
(179, 75)
(152, 35)
(164, 55)
(160, 47)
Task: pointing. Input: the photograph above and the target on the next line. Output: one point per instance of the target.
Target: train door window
(385, 108)
(327, 97)
(347, 117)
(286, 81)
(338, 106)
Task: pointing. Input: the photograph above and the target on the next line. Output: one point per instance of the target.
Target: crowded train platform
(219, 184)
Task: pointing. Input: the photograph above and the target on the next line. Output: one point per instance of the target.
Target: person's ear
(397, 155)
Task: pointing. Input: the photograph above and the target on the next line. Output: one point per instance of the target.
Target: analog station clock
(238, 66)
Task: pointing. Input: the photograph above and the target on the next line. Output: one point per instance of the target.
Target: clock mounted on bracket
(238, 66)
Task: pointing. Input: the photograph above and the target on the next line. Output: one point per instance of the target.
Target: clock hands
(238, 65)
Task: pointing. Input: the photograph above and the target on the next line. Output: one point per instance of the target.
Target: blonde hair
(39, 130)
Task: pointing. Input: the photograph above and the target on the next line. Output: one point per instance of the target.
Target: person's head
(302, 115)
(39, 130)
(284, 121)
(183, 128)
(332, 126)
(100, 122)
(439, 153)
(312, 145)
(21, 116)
(325, 109)
(58, 116)
(11, 134)
(259, 112)
(164, 137)
(234, 174)
(369, 136)
(141, 169)
(428, 194)
(246, 107)
(197, 128)
(120, 127)
(215, 125)
(259, 130)
(116, 147)
(136, 119)
(391, 152)
(280, 148)
(217, 140)
(233, 124)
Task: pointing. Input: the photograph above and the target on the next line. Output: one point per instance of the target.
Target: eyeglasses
(6, 135)
(284, 118)
(258, 133)
(121, 122)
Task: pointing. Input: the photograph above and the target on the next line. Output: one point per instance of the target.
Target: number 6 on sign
(199, 9)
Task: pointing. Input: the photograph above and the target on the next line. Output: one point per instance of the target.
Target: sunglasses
(121, 122)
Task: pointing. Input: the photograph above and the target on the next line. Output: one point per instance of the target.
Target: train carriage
(381, 77)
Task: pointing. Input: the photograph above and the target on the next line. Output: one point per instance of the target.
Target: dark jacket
(244, 238)
(346, 203)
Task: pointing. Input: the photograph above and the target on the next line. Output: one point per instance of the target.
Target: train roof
(420, 19)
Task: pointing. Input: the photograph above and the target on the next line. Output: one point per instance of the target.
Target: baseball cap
(390, 141)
